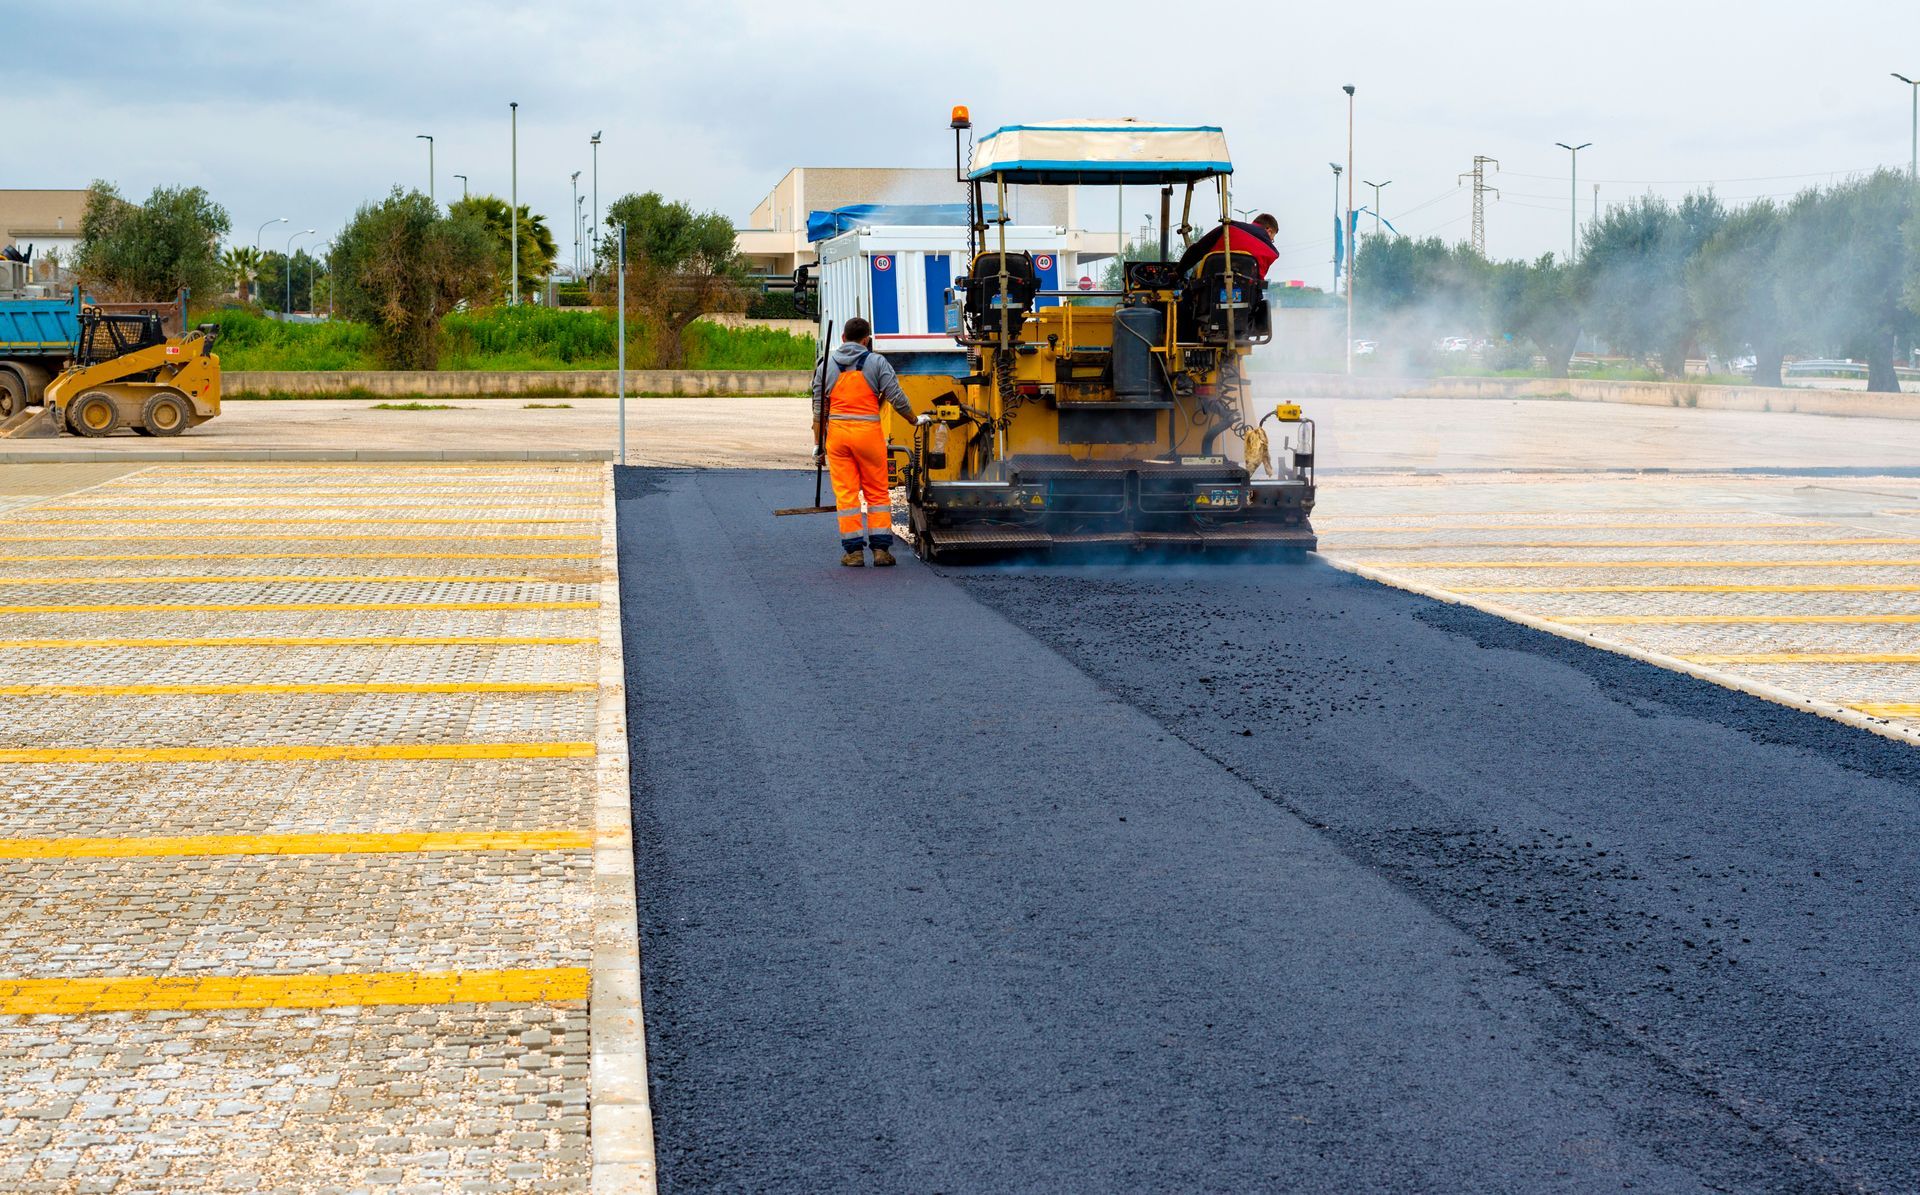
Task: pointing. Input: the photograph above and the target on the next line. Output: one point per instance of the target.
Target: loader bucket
(34, 423)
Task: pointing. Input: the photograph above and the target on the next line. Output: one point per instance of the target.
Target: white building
(774, 240)
(49, 221)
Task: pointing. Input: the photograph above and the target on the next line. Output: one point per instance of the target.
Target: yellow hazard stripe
(292, 607)
(309, 641)
(72, 997)
(399, 487)
(398, 689)
(279, 579)
(295, 844)
(85, 559)
(1536, 564)
(1863, 588)
(1806, 657)
(1627, 620)
(1889, 709)
(314, 507)
(308, 753)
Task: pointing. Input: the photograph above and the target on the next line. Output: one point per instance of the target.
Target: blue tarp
(821, 225)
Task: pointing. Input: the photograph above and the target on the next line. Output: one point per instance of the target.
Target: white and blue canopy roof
(1102, 153)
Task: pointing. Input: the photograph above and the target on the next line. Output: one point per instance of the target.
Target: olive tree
(681, 265)
(141, 252)
(399, 266)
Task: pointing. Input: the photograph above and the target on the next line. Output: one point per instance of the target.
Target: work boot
(854, 559)
(882, 558)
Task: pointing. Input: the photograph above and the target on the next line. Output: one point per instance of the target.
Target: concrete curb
(542, 383)
(622, 1114)
(1726, 680)
(149, 456)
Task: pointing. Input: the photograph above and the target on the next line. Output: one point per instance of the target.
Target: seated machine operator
(1255, 240)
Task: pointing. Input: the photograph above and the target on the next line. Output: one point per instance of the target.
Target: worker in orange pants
(848, 394)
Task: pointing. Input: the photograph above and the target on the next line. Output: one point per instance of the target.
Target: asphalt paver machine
(1115, 418)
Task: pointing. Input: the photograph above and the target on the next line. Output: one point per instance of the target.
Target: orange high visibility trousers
(857, 459)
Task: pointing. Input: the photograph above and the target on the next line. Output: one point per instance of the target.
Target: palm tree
(537, 248)
(242, 263)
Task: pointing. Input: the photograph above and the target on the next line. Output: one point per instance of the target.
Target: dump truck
(1109, 418)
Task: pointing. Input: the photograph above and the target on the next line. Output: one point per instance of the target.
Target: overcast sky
(309, 110)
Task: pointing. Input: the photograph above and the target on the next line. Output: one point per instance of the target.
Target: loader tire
(93, 414)
(166, 414)
(13, 393)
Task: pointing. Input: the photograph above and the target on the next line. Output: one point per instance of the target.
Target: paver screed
(299, 770)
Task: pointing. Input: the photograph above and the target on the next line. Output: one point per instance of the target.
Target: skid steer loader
(127, 373)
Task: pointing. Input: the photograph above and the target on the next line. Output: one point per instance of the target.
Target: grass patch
(527, 337)
(414, 406)
(546, 406)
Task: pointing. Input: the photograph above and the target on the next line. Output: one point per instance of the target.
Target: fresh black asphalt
(1233, 877)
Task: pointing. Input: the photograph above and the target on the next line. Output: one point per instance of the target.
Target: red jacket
(1250, 239)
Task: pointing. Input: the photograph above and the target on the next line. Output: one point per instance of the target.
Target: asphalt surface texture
(1240, 876)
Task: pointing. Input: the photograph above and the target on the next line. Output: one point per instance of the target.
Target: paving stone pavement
(299, 768)
(1805, 587)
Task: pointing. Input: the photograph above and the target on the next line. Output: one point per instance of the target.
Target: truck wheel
(13, 393)
(166, 414)
(93, 414)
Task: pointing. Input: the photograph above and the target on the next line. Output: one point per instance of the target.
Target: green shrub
(710, 346)
(252, 341)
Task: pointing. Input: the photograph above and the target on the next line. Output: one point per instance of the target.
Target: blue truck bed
(38, 327)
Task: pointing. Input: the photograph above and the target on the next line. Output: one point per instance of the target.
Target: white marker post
(622, 334)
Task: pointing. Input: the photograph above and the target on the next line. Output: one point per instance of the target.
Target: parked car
(1455, 344)
(1364, 348)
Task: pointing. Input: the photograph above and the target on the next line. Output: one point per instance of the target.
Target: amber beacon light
(960, 118)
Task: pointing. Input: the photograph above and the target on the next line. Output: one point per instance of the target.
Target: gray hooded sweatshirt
(878, 372)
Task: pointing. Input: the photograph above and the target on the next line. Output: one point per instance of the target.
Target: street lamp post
(256, 246)
(312, 263)
(1573, 201)
(580, 222)
(463, 185)
(513, 208)
(1338, 234)
(1348, 88)
(290, 240)
(1913, 162)
(428, 138)
(576, 223)
(593, 225)
(1376, 201)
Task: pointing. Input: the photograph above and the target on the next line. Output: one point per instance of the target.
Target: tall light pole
(580, 220)
(593, 225)
(1338, 235)
(513, 209)
(263, 229)
(1348, 88)
(1376, 201)
(312, 263)
(428, 138)
(463, 185)
(1573, 203)
(288, 310)
(576, 223)
(1913, 163)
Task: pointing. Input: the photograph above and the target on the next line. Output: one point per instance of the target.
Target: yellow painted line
(1807, 657)
(84, 559)
(297, 753)
(402, 842)
(1628, 620)
(309, 641)
(1632, 543)
(76, 997)
(1504, 564)
(279, 579)
(291, 607)
(310, 507)
(203, 537)
(1889, 709)
(21, 517)
(327, 689)
(1684, 588)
